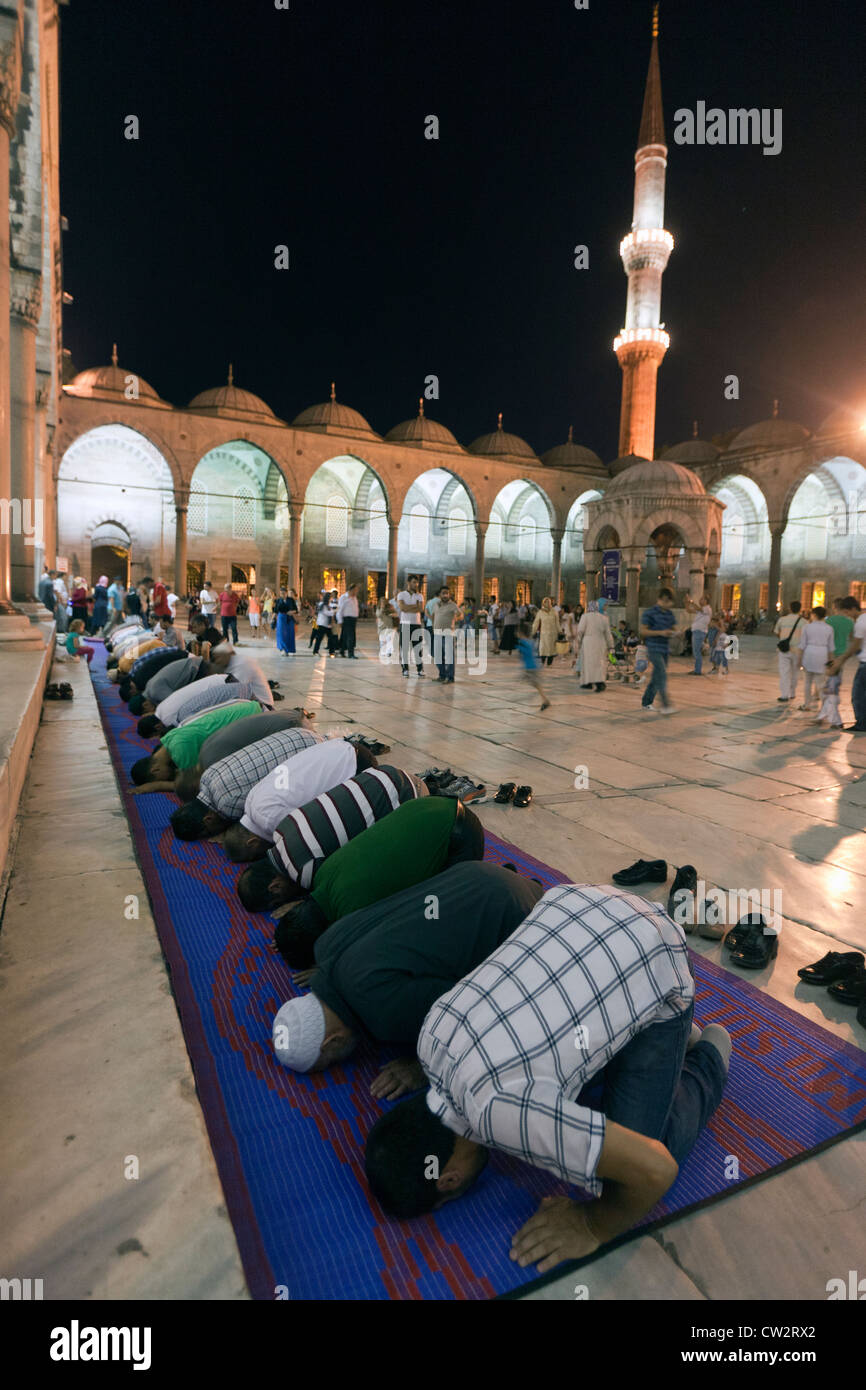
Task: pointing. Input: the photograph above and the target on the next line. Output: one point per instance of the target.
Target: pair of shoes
(52, 691)
(641, 871)
(751, 943)
(836, 966)
(510, 792)
(782, 699)
(463, 789)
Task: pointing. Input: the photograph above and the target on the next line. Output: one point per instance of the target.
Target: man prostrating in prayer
(594, 986)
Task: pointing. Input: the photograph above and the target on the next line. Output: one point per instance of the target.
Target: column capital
(556, 534)
(481, 528)
(25, 295)
(10, 78)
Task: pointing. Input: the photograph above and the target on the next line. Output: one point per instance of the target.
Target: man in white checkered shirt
(226, 784)
(594, 986)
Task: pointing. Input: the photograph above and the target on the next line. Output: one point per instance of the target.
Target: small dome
(332, 418)
(769, 434)
(692, 452)
(625, 461)
(113, 383)
(499, 442)
(571, 455)
(658, 476)
(422, 433)
(231, 400)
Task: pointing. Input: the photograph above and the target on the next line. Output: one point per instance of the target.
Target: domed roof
(571, 455)
(769, 434)
(692, 451)
(658, 476)
(422, 433)
(499, 442)
(231, 400)
(332, 418)
(113, 383)
(623, 462)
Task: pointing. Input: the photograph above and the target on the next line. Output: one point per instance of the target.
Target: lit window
(337, 521)
(419, 529)
(733, 533)
(244, 514)
(457, 529)
(493, 539)
(196, 517)
(526, 539)
(378, 526)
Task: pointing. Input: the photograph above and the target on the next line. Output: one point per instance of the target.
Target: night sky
(408, 256)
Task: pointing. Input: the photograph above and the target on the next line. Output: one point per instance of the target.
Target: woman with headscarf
(546, 624)
(286, 609)
(79, 601)
(594, 640)
(509, 619)
(100, 604)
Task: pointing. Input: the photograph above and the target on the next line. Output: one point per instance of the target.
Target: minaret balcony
(646, 247)
(652, 337)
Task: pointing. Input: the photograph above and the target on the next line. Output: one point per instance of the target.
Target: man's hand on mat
(402, 1075)
(302, 978)
(152, 787)
(558, 1231)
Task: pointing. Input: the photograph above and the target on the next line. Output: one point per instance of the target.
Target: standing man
(786, 629)
(657, 627)
(46, 590)
(347, 617)
(209, 601)
(445, 614)
(228, 601)
(61, 598)
(856, 647)
(410, 606)
(703, 616)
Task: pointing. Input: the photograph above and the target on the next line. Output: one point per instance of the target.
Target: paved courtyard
(745, 789)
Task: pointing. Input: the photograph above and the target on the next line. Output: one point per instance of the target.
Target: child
(719, 654)
(829, 713)
(74, 645)
(254, 614)
(526, 652)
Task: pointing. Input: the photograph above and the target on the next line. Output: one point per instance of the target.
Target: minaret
(643, 342)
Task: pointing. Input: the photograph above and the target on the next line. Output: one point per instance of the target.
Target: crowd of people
(517, 1028)
(819, 644)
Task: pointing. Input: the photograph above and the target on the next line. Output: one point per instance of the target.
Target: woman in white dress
(816, 644)
(594, 641)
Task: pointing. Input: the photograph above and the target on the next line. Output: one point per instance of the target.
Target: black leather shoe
(642, 871)
(682, 905)
(752, 924)
(852, 989)
(836, 965)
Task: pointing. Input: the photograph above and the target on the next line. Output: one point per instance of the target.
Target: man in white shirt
(171, 599)
(209, 599)
(410, 606)
(347, 616)
(703, 614)
(856, 647)
(787, 629)
(595, 985)
(62, 595)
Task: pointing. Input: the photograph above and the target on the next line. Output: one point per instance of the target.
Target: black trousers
(317, 640)
(467, 838)
(347, 636)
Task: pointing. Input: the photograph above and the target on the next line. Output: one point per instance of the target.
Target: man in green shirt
(416, 841)
(380, 969)
(842, 627)
(179, 748)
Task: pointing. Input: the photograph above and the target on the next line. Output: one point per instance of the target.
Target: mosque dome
(422, 433)
(625, 461)
(659, 476)
(501, 443)
(692, 452)
(769, 434)
(231, 400)
(112, 383)
(333, 418)
(571, 455)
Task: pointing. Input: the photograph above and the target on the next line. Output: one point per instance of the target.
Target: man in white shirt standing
(347, 616)
(62, 596)
(787, 630)
(209, 600)
(703, 613)
(856, 647)
(410, 606)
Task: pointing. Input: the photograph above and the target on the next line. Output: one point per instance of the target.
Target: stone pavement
(743, 788)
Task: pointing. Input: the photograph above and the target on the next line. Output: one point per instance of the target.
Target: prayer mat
(289, 1148)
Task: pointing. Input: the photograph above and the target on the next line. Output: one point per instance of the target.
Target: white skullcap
(298, 1032)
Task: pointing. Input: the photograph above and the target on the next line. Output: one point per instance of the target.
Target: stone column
(711, 584)
(592, 560)
(26, 302)
(480, 533)
(296, 511)
(180, 508)
(632, 594)
(556, 567)
(697, 569)
(393, 583)
(16, 632)
(775, 570)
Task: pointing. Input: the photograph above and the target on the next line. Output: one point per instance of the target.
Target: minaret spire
(643, 342)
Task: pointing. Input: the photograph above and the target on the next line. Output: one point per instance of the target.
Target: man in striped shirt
(307, 836)
(225, 785)
(594, 986)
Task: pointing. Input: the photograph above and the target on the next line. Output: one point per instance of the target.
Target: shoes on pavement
(523, 796)
(836, 965)
(683, 888)
(506, 792)
(852, 989)
(641, 871)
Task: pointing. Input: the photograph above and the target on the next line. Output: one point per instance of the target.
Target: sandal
(756, 951)
(523, 796)
(836, 965)
(852, 989)
(506, 792)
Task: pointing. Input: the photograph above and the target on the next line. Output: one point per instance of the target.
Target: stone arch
(107, 420)
(692, 528)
